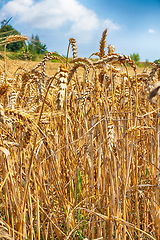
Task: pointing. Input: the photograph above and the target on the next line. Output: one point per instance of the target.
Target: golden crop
(80, 151)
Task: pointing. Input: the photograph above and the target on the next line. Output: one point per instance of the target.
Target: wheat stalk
(80, 142)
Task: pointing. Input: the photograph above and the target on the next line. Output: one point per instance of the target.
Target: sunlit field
(79, 147)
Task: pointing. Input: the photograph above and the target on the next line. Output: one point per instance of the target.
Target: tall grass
(80, 154)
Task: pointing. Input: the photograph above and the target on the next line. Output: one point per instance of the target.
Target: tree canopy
(35, 46)
(7, 31)
(135, 57)
(157, 61)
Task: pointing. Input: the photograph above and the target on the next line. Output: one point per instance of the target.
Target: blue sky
(133, 26)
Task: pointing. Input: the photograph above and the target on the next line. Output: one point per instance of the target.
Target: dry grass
(79, 149)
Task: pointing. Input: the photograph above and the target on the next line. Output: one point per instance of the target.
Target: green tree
(7, 31)
(157, 61)
(35, 46)
(135, 57)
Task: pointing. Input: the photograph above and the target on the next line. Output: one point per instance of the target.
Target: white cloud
(110, 25)
(151, 31)
(54, 14)
(51, 13)
(14, 7)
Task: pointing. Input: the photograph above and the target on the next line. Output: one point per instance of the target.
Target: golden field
(79, 153)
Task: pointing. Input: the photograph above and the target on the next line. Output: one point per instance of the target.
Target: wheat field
(79, 148)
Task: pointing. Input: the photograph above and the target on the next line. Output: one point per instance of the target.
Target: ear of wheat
(111, 49)
(4, 87)
(72, 41)
(15, 38)
(111, 136)
(103, 44)
(62, 82)
(154, 92)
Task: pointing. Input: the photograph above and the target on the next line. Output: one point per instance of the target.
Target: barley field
(79, 147)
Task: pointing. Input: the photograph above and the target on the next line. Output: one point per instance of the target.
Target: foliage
(147, 64)
(35, 46)
(157, 61)
(22, 54)
(7, 31)
(135, 57)
(19, 49)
